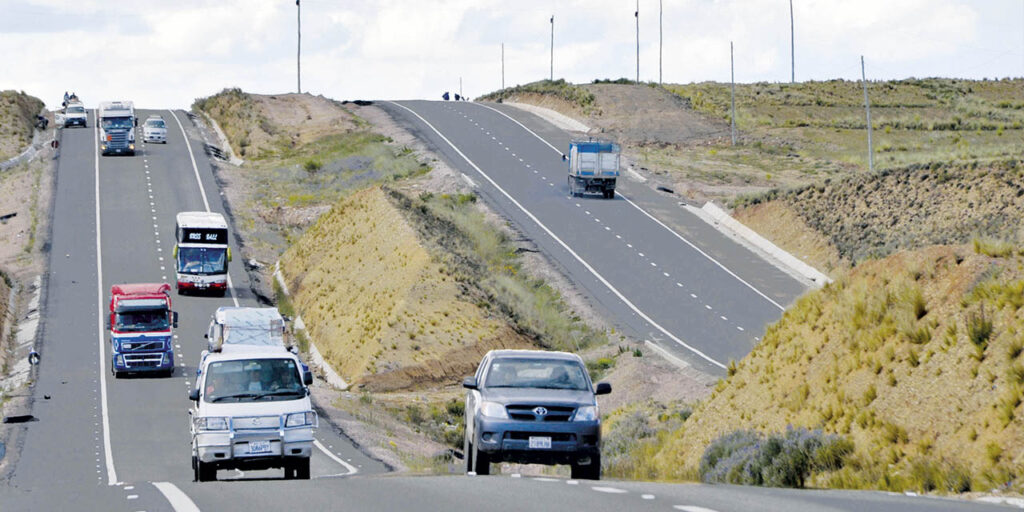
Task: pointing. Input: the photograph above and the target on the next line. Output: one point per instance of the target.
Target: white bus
(201, 252)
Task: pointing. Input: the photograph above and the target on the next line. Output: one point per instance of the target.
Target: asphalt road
(106, 444)
(676, 281)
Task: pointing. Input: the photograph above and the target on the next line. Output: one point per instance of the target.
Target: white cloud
(165, 54)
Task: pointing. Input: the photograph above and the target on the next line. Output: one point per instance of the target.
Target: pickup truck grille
(557, 437)
(529, 412)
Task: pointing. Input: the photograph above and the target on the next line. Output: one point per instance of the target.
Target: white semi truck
(117, 124)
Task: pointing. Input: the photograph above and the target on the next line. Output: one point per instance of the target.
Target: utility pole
(636, 15)
(502, 65)
(792, 46)
(867, 109)
(732, 79)
(298, 48)
(661, 37)
(460, 88)
(552, 76)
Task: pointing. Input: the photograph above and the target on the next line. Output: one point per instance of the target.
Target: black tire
(591, 471)
(117, 375)
(195, 469)
(205, 472)
(481, 462)
(289, 471)
(302, 469)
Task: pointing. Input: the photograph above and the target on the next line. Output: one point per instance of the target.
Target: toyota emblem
(540, 411)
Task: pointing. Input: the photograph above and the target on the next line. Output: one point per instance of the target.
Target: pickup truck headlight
(493, 410)
(211, 423)
(586, 413)
(299, 419)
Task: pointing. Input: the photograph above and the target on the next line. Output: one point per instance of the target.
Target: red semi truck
(140, 326)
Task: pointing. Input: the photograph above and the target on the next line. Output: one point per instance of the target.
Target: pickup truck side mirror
(603, 388)
(194, 395)
(307, 378)
(469, 383)
(174, 319)
(108, 324)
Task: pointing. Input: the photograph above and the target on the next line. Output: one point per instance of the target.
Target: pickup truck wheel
(481, 462)
(591, 471)
(205, 472)
(467, 452)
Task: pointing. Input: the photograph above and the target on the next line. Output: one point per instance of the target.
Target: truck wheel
(609, 194)
(591, 471)
(481, 462)
(205, 471)
(302, 469)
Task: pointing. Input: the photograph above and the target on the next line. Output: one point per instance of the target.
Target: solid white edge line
(179, 501)
(565, 246)
(662, 224)
(100, 324)
(351, 469)
(202, 192)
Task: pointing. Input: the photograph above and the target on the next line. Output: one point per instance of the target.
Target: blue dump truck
(593, 167)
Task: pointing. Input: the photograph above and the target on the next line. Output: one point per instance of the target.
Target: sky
(165, 54)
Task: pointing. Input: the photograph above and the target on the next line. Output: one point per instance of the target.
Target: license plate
(264, 446)
(540, 442)
(201, 285)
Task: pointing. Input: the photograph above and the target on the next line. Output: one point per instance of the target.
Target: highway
(123, 445)
(677, 281)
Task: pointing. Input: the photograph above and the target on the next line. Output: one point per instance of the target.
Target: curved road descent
(123, 445)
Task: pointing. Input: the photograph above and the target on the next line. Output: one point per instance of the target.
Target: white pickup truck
(252, 409)
(74, 114)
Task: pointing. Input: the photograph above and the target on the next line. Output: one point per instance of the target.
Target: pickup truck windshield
(202, 260)
(155, 123)
(117, 123)
(142, 320)
(536, 373)
(76, 110)
(252, 381)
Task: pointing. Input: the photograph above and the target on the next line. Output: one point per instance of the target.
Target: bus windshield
(202, 260)
(117, 123)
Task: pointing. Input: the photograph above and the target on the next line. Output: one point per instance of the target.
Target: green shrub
(776, 460)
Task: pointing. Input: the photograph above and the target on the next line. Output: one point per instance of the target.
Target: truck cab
(117, 124)
(140, 324)
(593, 167)
(251, 401)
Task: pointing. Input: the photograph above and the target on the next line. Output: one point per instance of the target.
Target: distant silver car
(154, 130)
(533, 407)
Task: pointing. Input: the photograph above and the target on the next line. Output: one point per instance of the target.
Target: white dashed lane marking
(610, 490)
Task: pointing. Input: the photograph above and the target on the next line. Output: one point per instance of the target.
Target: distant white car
(154, 130)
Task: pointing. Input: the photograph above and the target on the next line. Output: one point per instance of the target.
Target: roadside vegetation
(915, 360)
(302, 153)
(17, 121)
(577, 97)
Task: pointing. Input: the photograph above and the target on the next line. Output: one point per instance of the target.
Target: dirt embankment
(865, 216)
(917, 358)
(383, 310)
(17, 121)
(261, 126)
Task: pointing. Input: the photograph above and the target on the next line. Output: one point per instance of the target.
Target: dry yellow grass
(917, 358)
(777, 222)
(383, 311)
